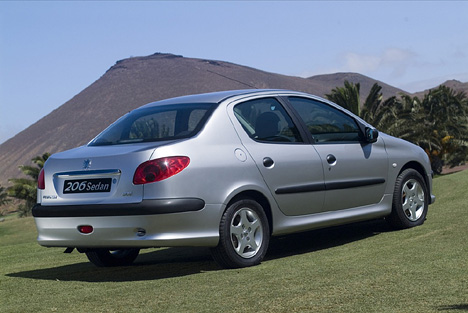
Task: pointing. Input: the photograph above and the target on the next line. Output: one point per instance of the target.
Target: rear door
(291, 168)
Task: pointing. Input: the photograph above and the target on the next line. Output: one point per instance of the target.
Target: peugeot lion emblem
(87, 164)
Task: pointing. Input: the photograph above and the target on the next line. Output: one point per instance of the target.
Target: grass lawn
(363, 267)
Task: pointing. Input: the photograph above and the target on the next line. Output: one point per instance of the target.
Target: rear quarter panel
(219, 166)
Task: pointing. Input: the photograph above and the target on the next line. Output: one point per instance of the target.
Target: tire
(244, 235)
(107, 258)
(410, 200)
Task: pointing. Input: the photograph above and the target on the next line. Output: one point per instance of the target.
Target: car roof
(216, 97)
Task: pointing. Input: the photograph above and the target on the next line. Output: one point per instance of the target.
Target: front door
(355, 171)
(355, 174)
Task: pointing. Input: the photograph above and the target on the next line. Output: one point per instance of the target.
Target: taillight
(159, 169)
(41, 180)
(85, 229)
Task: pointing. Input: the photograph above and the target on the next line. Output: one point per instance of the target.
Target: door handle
(331, 159)
(268, 162)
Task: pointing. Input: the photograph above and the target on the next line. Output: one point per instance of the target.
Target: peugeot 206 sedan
(227, 170)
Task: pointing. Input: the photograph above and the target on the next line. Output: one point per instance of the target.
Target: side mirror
(372, 134)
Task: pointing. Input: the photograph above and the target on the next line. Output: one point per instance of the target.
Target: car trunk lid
(94, 175)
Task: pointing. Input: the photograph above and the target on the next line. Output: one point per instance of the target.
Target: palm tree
(438, 123)
(382, 114)
(444, 112)
(448, 111)
(3, 199)
(25, 188)
(386, 115)
(372, 105)
(3, 196)
(347, 96)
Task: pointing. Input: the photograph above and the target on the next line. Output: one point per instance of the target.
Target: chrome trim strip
(97, 173)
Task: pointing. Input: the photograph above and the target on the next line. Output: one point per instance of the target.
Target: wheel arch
(420, 169)
(260, 198)
(407, 212)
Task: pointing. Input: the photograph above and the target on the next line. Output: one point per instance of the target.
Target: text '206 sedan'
(227, 170)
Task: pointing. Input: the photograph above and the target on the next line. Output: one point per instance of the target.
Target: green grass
(356, 268)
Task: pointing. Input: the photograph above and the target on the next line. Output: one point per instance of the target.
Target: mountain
(135, 81)
(366, 83)
(456, 85)
(129, 84)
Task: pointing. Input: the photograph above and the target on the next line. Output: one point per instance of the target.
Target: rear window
(157, 123)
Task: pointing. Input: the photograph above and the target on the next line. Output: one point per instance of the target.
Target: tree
(381, 114)
(442, 127)
(25, 189)
(3, 199)
(347, 97)
(3, 196)
(386, 115)
(438, 123)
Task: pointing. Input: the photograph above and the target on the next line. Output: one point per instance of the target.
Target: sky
(52, 50)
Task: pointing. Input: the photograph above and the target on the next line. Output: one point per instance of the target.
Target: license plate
(87, 185)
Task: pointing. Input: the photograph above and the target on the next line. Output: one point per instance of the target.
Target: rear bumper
(146, 207)
(188, 228)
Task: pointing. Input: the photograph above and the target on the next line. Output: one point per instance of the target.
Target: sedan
(227, 170)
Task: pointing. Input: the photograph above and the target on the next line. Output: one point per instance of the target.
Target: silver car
(227, 170)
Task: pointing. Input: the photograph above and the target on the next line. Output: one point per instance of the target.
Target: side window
(266, 120)
(325, 123)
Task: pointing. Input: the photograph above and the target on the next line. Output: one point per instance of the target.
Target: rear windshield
(157, 123)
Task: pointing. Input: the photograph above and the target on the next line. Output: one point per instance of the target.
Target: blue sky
(51, 50)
